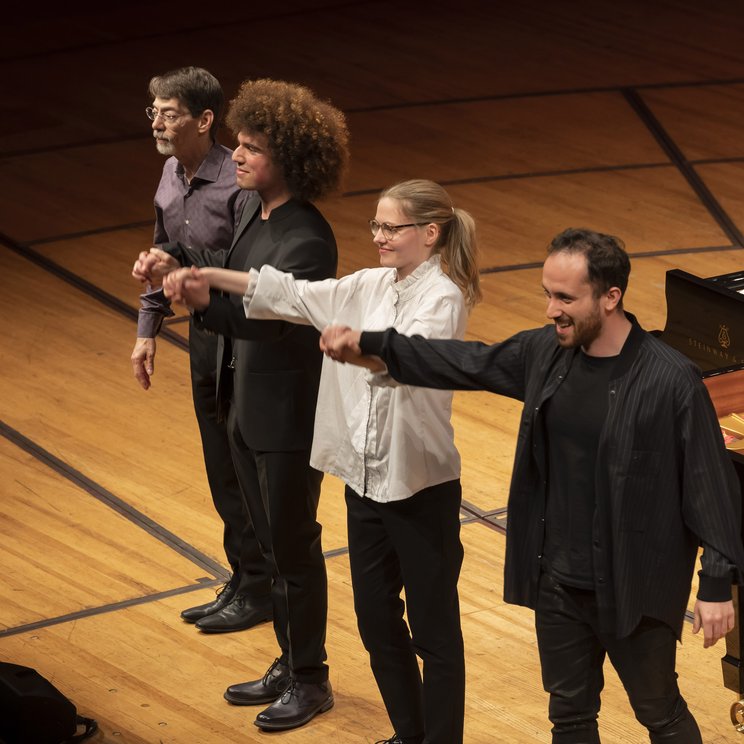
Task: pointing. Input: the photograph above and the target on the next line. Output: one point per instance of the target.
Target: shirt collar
(402, 287)
(210, 167)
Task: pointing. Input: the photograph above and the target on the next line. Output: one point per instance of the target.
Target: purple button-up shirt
(200, 214)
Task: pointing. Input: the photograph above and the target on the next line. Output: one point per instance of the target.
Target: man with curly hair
(292, 148)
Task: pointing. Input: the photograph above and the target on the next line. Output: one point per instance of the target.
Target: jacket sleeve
(452, 364)
(194, 256)
(711, 495)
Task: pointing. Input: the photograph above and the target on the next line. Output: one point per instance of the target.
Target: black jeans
(572, 652)
(412, 544)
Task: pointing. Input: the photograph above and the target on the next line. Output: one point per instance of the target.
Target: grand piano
(705, 321)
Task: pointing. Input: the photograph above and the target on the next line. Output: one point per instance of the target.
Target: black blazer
(274, 384)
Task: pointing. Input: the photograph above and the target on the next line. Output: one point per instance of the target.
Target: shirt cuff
(250, 290)
(148, 324)
(154, 306)
(714, 588)
(371, 342)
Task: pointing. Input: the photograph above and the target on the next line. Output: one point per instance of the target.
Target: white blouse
(386, 441)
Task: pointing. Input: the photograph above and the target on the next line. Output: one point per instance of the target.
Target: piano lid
(705, 318)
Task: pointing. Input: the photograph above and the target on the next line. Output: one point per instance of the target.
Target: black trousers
(412, 544)
(572, 653)
(251, 575)
(281, 493)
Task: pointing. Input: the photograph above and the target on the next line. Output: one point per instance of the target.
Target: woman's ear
(433, 232)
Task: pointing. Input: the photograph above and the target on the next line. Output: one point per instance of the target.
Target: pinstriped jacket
(664, 482)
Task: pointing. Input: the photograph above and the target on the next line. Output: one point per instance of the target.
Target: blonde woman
(392, 445)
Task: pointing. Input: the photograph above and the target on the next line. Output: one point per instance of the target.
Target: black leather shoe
(240, 613)
(224, 596)
(395, 740)
(299, 703)
(261, 691)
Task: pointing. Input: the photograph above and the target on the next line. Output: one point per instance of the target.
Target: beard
(585, 331)
(164, 146)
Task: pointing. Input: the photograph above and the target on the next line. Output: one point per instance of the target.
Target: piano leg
(731, 663)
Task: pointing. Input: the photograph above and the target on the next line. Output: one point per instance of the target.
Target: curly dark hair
(307, 138)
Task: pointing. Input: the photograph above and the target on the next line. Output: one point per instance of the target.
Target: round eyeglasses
(391, 231)
(153, 113)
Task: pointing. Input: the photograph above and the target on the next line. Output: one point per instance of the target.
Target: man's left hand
(715, 618)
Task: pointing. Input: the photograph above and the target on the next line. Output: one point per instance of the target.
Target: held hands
(151, 266)
(715, 618)
(342, 344)
(188, 287)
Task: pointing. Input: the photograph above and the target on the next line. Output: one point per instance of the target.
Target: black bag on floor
(32, 709)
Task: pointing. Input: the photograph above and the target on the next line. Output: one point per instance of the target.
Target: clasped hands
(187, 286)
(341, 344)
(151, 266)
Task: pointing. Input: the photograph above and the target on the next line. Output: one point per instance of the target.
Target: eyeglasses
(153, 113)
(391, 231)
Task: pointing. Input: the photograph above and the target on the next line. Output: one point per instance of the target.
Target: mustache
(161, 138)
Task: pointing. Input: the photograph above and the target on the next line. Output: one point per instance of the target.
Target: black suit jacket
(277, 364)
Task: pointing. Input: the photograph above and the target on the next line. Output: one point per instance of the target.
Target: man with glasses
(292, 149)
(198, 204)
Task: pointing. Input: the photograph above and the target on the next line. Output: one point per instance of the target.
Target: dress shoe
(395, 740)
(224, 596)
(238, 614)
(300, 702)
(261, 691)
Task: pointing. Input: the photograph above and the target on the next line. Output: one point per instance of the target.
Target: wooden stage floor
(623, 117)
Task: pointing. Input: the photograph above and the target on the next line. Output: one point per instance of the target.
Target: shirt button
(601, 580)
(187, 222)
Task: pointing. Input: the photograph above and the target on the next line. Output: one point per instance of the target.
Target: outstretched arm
(190, 286)
(228, 280)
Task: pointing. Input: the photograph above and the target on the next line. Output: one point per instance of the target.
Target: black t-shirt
(574, 418)
(237, 260)
(239, 254)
